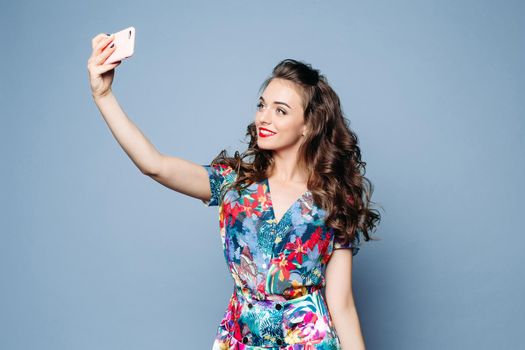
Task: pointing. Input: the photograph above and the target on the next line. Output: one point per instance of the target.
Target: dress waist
(276, 321)
(287, 294)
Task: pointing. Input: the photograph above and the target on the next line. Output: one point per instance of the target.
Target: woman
(290, 208)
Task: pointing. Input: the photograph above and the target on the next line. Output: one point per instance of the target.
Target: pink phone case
(125, 43)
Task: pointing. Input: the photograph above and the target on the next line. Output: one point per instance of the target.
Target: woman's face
(280, 117)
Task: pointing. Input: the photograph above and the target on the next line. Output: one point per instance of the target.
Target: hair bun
(311, 75)
(296, 70)
(317, 75)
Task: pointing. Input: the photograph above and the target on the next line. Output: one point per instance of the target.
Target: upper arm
(183, 176)
(338, 288)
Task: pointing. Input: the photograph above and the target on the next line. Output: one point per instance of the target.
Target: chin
(263, 147)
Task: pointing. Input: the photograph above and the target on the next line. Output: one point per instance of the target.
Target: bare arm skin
(175, 173)
(340, 300)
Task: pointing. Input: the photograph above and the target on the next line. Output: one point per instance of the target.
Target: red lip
(263, 135)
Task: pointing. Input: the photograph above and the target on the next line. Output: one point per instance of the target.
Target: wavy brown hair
(330, 154)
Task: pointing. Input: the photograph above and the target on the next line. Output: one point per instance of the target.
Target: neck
(285, 167)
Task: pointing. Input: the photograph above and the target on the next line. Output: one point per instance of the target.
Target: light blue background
(95, 255)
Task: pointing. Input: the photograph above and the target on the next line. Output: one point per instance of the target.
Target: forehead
(284, 91)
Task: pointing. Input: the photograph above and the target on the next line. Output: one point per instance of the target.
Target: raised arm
(176, 173)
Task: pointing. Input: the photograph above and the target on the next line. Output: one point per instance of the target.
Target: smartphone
(125, 42)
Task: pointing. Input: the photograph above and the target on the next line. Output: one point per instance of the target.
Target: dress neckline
(269, 195)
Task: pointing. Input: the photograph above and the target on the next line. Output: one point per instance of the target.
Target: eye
(281, 110)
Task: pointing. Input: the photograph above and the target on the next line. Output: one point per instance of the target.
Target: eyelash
(259, 105)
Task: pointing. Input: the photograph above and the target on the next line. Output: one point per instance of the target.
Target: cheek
(288, 127)
(283, 124)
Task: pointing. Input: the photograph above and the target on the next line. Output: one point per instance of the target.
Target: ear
(305, 131)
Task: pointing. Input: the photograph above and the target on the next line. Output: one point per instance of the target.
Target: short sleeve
(219, 175)
(338, 244)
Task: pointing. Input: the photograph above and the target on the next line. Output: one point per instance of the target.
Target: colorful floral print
(278, 269)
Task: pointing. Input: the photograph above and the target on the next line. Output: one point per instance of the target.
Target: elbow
(342, 308)
(153, 169)
(147, 171)
(342, 303)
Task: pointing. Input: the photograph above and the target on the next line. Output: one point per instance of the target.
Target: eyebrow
(276, 102)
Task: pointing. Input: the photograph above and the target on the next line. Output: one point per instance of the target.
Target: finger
(97, 39)
(97, 60)
(103, 43)
(103, 68)
(105, 54)
(102, 56)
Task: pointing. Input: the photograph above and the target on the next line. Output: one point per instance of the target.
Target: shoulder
(220, 171)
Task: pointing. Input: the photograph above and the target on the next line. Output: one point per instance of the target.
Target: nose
(264, 116)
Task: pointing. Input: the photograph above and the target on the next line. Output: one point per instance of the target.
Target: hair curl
(336, 175)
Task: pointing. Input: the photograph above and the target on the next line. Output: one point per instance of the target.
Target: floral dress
(277, 267)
